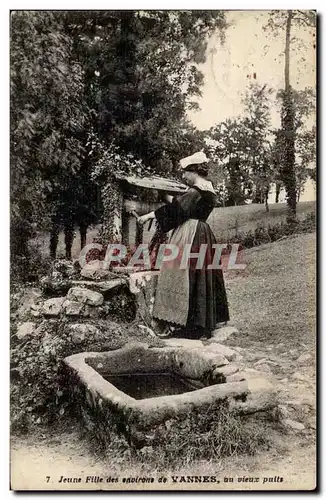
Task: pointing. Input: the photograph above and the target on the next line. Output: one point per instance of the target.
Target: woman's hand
(144, 218)
(168, 198)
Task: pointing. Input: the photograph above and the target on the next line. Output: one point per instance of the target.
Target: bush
(263, 234)
(31, 266)
(39, 392)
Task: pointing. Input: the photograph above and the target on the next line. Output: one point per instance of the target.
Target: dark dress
(207, 301)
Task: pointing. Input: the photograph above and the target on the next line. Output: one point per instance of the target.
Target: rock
(36, 311)
(221, 349)
(298, 376)
(100, 286)
(196, 363)
(29, 304)
(305, 399)
(223, 333)
(187, 343)
(304, 357)
(24, 329)
(264, 367)
(283, 412)
(53, 307)
(261, 361)
(79, 332)
(94, 271)
(65, 267)
(297, 426)
(48, 344)
(147, 330)
(235, 377)
(262, 395)
(226, 370)
(284, 380)
(85, 296)
(73, 308)
(250, 373)
(53, 286)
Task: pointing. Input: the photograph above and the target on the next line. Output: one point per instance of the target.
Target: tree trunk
(277, 192)
(266, 199)
(69, 237)
(288, 130)
(83, 233)
(54, 239)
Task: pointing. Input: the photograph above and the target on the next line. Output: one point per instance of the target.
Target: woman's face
(189, 178)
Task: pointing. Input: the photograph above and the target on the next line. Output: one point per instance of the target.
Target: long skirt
(193, 299)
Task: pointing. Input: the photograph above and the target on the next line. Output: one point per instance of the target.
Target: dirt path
(67, 456)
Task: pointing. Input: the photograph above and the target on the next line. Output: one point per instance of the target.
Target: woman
(191, 299)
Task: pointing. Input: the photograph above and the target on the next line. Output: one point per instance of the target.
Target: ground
(272, 303)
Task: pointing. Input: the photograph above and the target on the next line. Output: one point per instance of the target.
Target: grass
(228, 221)
(273, 300)
(196, 439)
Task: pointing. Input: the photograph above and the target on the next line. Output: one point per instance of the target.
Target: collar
(204, 185)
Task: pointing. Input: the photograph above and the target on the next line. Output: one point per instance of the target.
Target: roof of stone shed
(159, 183)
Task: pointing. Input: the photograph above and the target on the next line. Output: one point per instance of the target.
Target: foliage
(285, 21)
(46, 114)
(257, 122)
(29, 266)
(228, 150)
(208, 434)
(273, 232)
(39, 390)
(240, 149)
(37, 394)
(141, 75)
(103, 77)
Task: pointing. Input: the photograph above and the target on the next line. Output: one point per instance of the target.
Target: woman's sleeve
(173, 214)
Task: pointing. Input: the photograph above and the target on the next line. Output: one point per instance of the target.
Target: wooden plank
(159, 183)
(140, 206)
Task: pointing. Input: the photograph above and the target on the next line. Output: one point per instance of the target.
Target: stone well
(211, 379)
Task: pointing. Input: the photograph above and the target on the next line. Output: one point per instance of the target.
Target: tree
(141, 75)
(126, 77)
(242, 146)
(304, 141)
(284, 20)
(229, 148)
(305, 156)
(47, 112)
(257, 129)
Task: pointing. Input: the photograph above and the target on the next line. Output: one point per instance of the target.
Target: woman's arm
(172, 215)
(145, 218)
